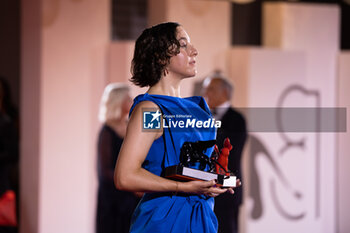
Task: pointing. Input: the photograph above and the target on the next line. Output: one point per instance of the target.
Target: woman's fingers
(209, 188)
(230, 190)
(210, 183)
(238, 183)
(213, 195)
(214, 191)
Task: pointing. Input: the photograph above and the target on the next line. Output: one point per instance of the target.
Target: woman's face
(184, 63)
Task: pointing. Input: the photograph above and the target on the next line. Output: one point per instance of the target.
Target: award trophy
(193, 162)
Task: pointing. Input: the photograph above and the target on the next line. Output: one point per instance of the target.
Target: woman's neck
(166, 86)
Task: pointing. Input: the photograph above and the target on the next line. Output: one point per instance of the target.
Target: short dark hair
(153, 50)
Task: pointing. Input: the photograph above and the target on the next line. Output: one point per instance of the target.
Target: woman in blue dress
(163, 57)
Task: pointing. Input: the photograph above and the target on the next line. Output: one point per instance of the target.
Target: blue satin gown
(164, 212)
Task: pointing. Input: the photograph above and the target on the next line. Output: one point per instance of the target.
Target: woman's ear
(165, 72)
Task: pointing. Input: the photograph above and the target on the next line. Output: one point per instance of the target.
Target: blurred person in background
(218, 92)
(114, 207)
(9, 158)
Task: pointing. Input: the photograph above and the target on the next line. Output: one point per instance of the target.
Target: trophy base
(179, 172)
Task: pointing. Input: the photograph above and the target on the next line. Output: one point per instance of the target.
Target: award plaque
(192, 155)
(181, 173)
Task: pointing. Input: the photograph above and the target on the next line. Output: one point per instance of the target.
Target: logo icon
(152, 119)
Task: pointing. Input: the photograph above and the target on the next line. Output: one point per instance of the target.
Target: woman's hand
(231, 190)
(207, 188)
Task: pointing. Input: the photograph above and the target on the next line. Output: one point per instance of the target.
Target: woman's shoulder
(142, 108)
(143, 102)
(153, 101)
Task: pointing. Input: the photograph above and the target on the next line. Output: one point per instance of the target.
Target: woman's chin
(192, 74)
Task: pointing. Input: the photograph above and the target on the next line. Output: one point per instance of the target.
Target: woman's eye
(183, 45)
